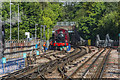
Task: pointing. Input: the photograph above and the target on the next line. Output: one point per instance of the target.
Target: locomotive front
(61, 38)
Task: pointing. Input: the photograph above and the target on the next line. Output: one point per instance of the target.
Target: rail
(74, 72)
(92, 64)
(100, 70)
(45, 67)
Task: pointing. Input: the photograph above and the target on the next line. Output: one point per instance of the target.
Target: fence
(11, 65)
(15, 54)
(13, 49)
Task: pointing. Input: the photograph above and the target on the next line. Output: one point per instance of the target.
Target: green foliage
(109, 24)
(92, 17)
(95, 18)
(32, 13)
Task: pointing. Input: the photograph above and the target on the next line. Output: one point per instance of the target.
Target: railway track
(60, 68)
(47, 55)
(28, 68)
(83, 67)
(102, 65)
(65, 70)
(91, 67)
(111, 69)
(41, 70)
(33, 69)
(76, 64)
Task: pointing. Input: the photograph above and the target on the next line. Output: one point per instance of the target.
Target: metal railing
(15, 49)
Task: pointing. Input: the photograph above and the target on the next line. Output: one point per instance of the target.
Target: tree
(44, 13)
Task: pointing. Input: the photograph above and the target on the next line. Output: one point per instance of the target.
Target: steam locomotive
(61, 38)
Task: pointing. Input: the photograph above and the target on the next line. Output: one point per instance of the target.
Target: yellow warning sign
(89, 42)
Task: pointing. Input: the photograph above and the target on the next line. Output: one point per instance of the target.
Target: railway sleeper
(44, 67)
